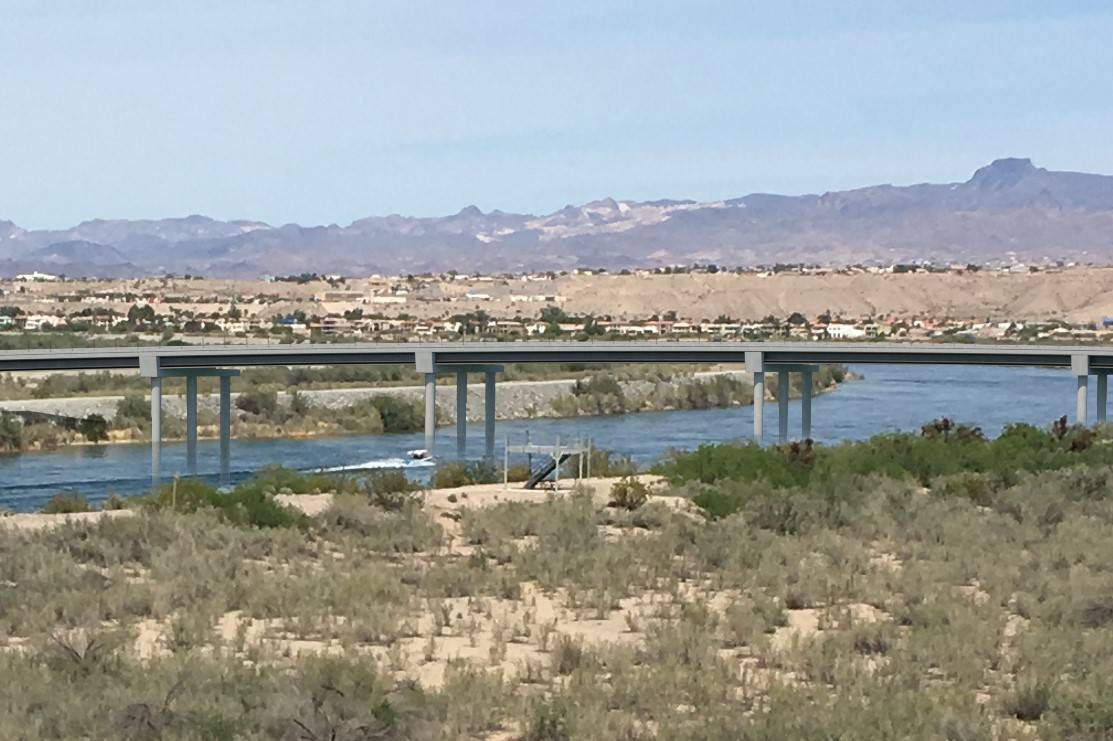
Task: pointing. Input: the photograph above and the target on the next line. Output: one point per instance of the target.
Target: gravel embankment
(515, 399)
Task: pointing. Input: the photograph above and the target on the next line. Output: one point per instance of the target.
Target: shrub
(629, 493)
(399, 415)
(260, 403)
(277, 479)
(390, 490)
(548, 721)
(518, 472)
(976, 487)
(458, 473)
(1082, 711)
(251, 503)
(362, 417)
(946, 429)
(605, 463)
(747, 462)
(568, 655)
(1097, 612)
(66, 502)
(113, 502)
(132, 409)
(93, 428)
(718, 504)
(388, 482)
(949, 452)
(872, 639)
(1029, 700)
(406, 530)
(11, 433)
(599, 384)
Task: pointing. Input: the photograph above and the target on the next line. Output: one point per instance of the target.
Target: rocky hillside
(1008, 210)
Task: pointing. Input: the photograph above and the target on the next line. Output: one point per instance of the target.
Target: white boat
(414, 459)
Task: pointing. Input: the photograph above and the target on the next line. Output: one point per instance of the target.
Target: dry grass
(485, 613)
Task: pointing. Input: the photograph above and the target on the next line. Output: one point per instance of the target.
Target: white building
(36, 277)
(845, 332)
(35, 322)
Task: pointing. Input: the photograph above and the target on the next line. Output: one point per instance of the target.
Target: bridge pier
(759, 404)
(755, 365)
(427, 364)
(461, 414)
(225, 428)
(149, 367)
(191, 424)
(1080, 366)
(156, 430)
(783, 388)
(1103, 396)
(430, 411)
(784, 373)
(489, 415)
(806, 404)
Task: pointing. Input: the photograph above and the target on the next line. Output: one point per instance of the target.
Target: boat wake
(376, 464)
(413, 459)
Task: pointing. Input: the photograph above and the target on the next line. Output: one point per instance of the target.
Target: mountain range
(1008, 211)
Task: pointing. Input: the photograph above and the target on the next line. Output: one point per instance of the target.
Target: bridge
(487, 358)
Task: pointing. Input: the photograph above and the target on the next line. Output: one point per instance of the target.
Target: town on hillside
(703, 302)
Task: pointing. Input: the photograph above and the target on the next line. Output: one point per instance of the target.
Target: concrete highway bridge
(487, 358)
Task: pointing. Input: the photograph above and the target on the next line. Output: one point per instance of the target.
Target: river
(886, 398)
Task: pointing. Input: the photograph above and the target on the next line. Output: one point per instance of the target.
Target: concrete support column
(156, 430)
(759, 403)
(191, 424)
(461, 414)
(755, 366)
(1080, 367)
(1080, 400)
(430, 411)
(783, 384)
(806, 405)
(1103, 396)
(225, 428)
(489, 415)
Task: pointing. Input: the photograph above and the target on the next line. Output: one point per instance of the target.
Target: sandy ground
(1076, 295)
(513, 636)
(438, 501)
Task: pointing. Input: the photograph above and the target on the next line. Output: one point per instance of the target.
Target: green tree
(93, 428)
(138, 315)
(11, 433)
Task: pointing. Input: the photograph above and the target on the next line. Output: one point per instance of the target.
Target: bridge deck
(1099, 357)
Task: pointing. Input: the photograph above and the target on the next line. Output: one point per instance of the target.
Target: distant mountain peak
(1005, 171)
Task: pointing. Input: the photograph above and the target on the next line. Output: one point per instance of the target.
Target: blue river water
(885, 399)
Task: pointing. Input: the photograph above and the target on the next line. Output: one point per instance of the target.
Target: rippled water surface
(887, 398)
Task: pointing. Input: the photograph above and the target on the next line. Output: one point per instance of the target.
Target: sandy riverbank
(437, 501)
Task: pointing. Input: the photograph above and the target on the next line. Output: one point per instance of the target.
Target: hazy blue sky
(321, 112)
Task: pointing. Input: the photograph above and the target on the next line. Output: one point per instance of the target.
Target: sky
(328, 111)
